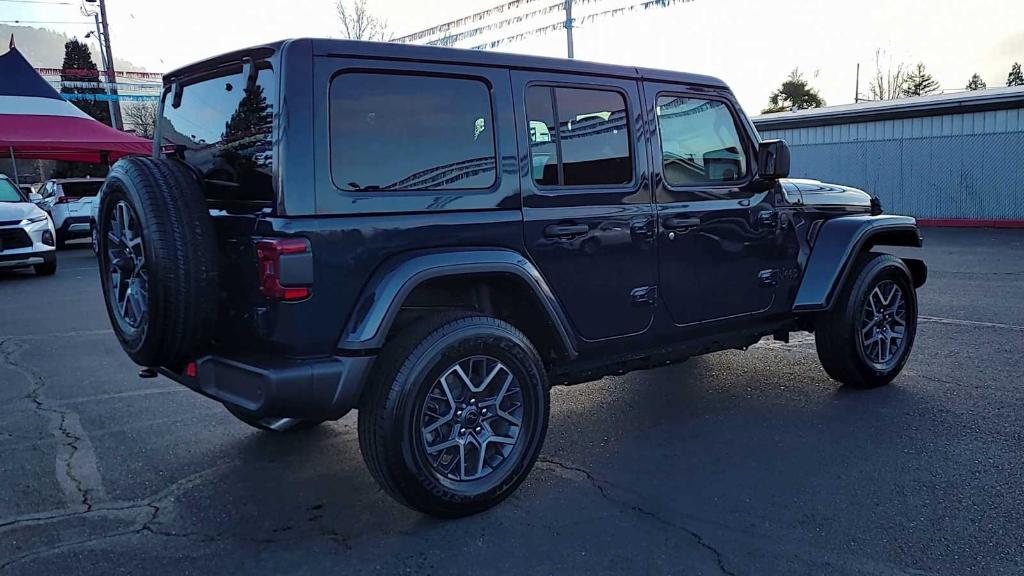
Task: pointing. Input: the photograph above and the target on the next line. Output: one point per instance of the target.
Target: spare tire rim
(884, 324)
(471, 419)
(126, 262)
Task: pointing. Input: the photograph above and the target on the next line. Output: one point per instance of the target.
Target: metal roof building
(946, 159)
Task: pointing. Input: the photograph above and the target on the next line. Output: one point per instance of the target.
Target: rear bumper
(75, 227)
(320, 389)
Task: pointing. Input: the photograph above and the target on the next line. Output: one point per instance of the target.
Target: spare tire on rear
(158, 261)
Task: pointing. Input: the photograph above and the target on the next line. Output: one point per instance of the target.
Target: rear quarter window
(397, 132)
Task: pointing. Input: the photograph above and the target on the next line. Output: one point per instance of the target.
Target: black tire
(393, 407)
(840, 333)
(276, 425)
(60, 242)
(48, 268)
(165, 201)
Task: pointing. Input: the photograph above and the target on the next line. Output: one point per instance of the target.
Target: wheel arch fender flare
(395, 279)
(837, 245)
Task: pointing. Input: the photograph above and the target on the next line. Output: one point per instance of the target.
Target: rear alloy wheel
(455, 414)
(865, 340)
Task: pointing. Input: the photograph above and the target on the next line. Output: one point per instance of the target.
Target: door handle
(676, 223)
(565, 230)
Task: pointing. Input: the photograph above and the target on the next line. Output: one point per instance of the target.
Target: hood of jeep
(818, 193)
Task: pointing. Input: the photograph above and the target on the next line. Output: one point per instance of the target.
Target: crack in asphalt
(69, 439)
(604, 487)
(151, 507)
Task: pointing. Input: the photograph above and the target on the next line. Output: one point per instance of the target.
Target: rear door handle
(565, 230)
(677, 223)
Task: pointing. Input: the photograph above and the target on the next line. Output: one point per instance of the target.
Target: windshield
(8, 193)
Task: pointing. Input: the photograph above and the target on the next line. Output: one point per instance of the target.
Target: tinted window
(699, 142)
(542, 125)
(225, 131)
(403, 132)
(591, 140)
(81, 189)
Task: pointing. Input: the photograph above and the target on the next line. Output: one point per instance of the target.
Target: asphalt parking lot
(736, 463)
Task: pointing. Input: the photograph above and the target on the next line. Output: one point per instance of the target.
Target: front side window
(393, 132)
(699, 142)
(578, 136)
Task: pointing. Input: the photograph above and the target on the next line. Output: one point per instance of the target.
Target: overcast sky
(752, 44)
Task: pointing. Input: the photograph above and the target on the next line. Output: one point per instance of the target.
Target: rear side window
(699, 142)
(81, 189)
(578, 136)
(225, 131)
(395, 132)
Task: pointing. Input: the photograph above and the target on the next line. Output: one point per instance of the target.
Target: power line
(45, 22)
(39, 2)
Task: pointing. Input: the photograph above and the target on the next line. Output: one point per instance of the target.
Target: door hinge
(644, 296)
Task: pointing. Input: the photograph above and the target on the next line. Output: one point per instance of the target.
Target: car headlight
(34, 219)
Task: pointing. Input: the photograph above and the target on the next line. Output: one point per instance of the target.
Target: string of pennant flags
(83, 73)
(556, 7)
(459, 23)
(649, 4)
(111, 97)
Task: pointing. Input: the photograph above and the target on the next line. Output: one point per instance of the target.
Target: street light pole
(568, 25)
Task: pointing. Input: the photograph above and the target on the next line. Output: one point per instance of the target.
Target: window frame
(552, 85)
(709, 186)
(415, 73)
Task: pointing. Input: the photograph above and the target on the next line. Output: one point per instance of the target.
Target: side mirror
(773, 159)
(35, 198)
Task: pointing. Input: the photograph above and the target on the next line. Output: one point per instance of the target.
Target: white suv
(70, 203)
(27, 237)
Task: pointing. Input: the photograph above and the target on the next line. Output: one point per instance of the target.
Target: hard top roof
(421, 53)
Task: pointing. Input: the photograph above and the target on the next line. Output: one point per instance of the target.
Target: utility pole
(568, 25)
(115, 117)
(103, 62)
(856, 86)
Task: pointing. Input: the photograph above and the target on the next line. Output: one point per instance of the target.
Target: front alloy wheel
(883, 324)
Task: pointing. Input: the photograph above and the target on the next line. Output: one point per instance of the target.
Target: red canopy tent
(36, 123)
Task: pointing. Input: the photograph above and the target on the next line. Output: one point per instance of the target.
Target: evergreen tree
(976, 83)
(1015, 78)
(78, 57)
(247, 133)
(795, 92)
(919, 82)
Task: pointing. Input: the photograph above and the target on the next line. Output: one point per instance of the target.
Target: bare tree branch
(358, 23)
(142, 116)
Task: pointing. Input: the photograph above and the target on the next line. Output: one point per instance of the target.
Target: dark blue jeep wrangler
(434, 237)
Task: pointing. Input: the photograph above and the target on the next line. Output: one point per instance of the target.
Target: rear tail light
(270, 252)
(67, 199)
